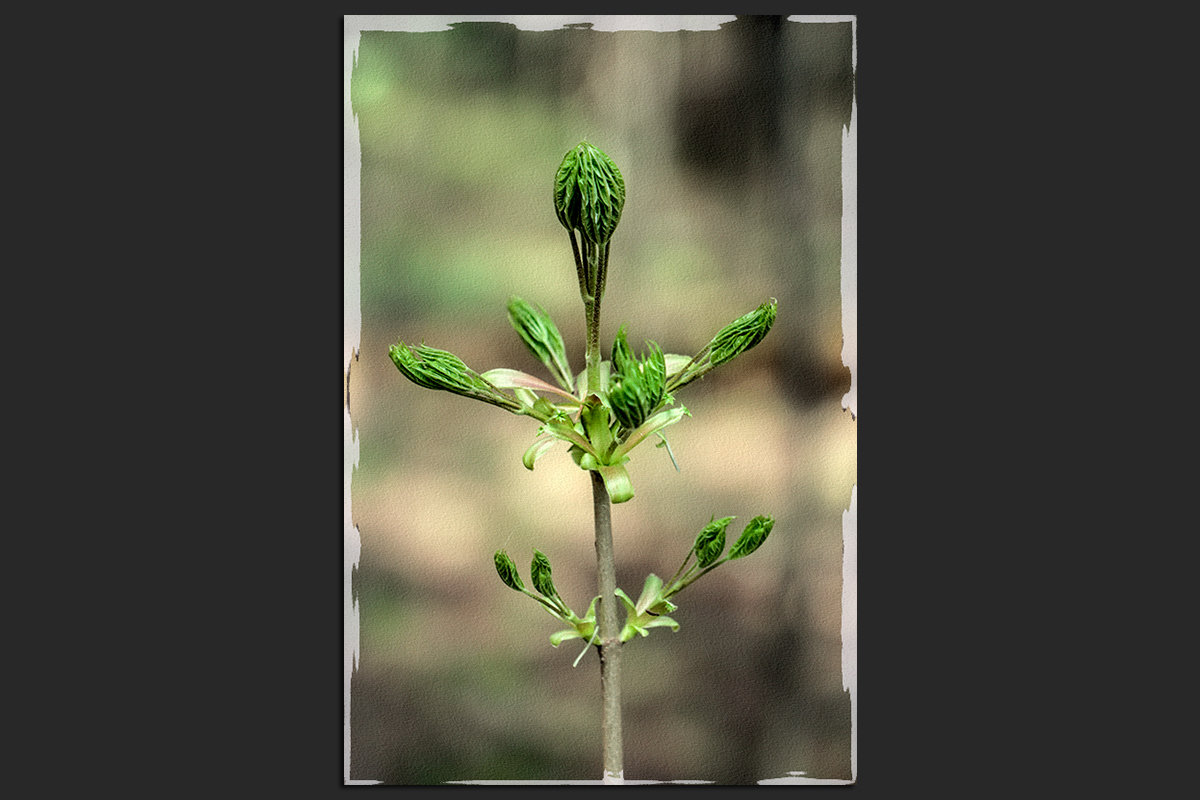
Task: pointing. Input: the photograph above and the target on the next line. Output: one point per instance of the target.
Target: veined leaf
(539, 573)
(508, 571)
(752, 537)
(710, 542)
(440, 369)
(589, 193)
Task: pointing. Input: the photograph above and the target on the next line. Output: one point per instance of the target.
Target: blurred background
(730, 145)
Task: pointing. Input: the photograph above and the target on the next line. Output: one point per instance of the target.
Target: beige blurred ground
(461, 133)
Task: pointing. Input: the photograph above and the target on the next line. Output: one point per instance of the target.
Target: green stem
(609, 629)
(591, 304)
(682, 376)
(592, 266)
(600, 274)
(679, 571)
(692, 576)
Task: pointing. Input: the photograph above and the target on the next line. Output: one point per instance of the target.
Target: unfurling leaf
(508, 571)
(710, 542)
(539, 333)
(539, 573)
(637, 384)
(752, 537)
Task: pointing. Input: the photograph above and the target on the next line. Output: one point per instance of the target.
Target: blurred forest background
(730, 145)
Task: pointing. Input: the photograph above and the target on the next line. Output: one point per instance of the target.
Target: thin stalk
(609, 643)
(692, 576)
(600, 273)
(679, 571)
(591, 302)
(608, 627)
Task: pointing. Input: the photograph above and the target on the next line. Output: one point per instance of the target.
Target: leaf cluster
(654, 603)
(637, 385)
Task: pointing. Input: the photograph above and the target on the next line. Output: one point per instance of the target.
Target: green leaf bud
(743, 333)
(508, 571)
(439, 369)
(710, 542)
(752, 537)
(539, 573)
(539, 333)
(589, 193)
(731, 341)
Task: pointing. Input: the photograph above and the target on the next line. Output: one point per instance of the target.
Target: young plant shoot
(601, 413)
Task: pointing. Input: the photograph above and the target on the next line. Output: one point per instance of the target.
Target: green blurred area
(730, 146)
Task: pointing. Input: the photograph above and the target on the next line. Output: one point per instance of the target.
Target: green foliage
(508, 571)
(730, 342)
(752, 537)
(539, 333)
(589, 193)
(607, 410)
(439, 369)
(539, 573)
(710, 542)
(637, 385)
(743, 333)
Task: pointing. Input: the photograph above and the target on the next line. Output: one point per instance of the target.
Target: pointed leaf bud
(743, 333)
(541, 336)
(539, 573)
(752, 537)
(439, 369)
(508, 571)
(589, 193)
(710, 542)
(731, 341)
